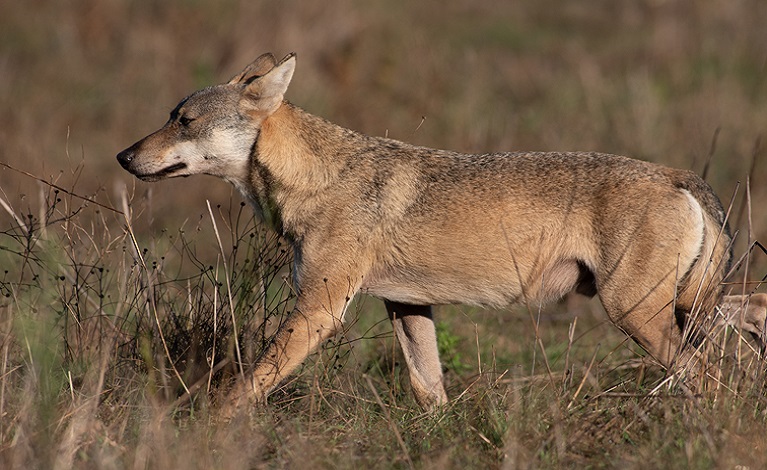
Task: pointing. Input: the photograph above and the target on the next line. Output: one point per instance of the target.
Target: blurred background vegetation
(655, 79)
(679, 82)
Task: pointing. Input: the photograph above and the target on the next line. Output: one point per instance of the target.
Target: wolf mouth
(165, 172)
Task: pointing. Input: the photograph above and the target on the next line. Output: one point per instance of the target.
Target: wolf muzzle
(126, 157)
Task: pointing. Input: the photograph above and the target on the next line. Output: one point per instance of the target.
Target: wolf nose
(125, 157)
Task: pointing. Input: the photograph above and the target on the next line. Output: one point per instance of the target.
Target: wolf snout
(125, 158)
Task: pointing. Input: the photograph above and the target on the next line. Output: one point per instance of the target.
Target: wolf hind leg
(414, 329)
(746, 313)
(644, 312)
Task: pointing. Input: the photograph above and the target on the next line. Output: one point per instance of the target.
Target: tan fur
(418, 226)
(746, 313)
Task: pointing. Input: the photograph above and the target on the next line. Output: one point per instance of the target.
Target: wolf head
(213, 130)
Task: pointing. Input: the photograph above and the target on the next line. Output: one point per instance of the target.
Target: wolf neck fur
(297, 157)
(301, 151)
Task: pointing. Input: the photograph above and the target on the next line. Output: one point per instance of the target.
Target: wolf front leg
(414, 328)
(318, 315)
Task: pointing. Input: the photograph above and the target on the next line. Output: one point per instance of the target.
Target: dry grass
(113, 305)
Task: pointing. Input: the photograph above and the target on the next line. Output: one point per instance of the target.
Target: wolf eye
(185, 121)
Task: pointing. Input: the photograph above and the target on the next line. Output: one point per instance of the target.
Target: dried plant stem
(229, 293)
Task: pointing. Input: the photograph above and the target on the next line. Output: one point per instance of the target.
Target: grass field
(117, 296)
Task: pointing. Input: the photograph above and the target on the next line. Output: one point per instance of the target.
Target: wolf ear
(267, 91)
(263, 64)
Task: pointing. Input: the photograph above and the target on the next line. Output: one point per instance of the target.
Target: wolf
(419, 227)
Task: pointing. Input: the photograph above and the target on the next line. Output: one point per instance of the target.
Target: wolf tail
(700, 288)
